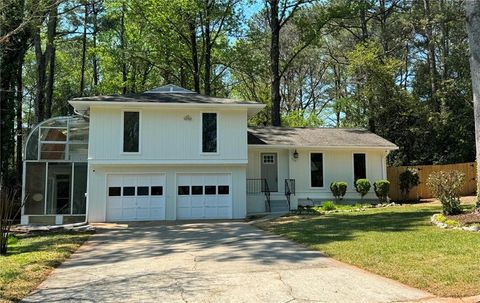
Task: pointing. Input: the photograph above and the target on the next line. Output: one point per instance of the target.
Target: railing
(289, 190)
(259, 186)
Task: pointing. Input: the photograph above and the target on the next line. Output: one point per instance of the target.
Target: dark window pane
(210, 190)
(359, 167)
(157, 190)
(209, 132)
(316, 170)
(197, 190)
(142, 191)
(129, 191)
(184, 190)
(131, 128)
(114, 191)
(223, 189)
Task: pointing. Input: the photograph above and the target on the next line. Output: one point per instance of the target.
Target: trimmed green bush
(446, 187)
(362, 186)
(338, 189)
(408, 180)
(381, 188)
(328, 205)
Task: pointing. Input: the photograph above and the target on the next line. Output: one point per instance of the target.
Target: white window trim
(353, 166)
(139, 131)
(310, 169)
(201, 134)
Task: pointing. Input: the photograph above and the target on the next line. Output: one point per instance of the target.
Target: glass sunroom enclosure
(55, 172)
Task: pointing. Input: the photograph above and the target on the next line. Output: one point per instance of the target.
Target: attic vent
(169, 89)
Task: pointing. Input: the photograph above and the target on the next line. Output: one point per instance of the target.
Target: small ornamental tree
(7, 215)
(362, 186)
(338, 189)
(408, 180)
(446, 187)
(381, 188)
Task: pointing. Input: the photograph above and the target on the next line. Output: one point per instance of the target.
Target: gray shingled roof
(316, 137)
(190, 98)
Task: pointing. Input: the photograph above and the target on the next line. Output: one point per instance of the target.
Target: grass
(396, 242)
(30, 260)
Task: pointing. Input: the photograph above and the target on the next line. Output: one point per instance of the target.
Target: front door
(62, 194)
(269, 170)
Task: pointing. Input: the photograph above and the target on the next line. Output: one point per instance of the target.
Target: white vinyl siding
(167, 135)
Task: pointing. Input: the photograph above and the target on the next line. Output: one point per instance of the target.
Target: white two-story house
(171, 154)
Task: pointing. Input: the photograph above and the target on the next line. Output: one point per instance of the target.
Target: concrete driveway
(209, 262)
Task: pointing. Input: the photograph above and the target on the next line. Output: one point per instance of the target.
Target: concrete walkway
(209, 262)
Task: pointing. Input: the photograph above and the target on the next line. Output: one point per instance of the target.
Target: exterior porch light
(295, 154)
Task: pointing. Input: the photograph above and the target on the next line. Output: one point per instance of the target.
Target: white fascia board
(302, 147)
(85, 105)
(167, 162)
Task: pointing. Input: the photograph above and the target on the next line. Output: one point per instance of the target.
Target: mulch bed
(468, 218)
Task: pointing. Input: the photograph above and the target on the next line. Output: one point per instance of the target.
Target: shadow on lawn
(343, 227)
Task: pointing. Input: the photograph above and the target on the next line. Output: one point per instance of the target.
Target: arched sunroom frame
(55, 171)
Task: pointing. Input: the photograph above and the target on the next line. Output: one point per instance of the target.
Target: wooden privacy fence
(421, 191)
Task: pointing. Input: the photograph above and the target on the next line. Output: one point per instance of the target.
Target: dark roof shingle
(190, 98)
(316, 137)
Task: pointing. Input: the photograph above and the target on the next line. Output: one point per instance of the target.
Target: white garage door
(204, 196)
(136, 197)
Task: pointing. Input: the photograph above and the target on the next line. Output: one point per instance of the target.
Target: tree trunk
(19, 116)
(432, 65)
(275, 62)
(208, 57)
(50, 59)
(193, 42)
(473, 28)
(95, 30)
(122, 46)
(84, 50)
(39, 104)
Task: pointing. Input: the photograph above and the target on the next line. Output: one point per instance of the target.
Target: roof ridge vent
(169, 89)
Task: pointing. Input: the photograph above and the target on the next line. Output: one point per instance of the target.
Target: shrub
(408, 179)
(381, 188)
(446, 186)
(328, 205)
(362, 186)
(338, 189)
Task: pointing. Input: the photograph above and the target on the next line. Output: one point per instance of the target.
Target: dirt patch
(468, 218)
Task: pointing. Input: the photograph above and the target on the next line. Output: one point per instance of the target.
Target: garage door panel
(136, 201)
(204, 198)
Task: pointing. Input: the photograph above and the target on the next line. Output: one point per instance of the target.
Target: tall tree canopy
(398, 68)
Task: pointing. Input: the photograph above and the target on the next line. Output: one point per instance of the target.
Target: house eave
(332, 147)
(252, 108)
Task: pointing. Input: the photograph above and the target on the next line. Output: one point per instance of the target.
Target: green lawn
(30, 260)
(396, 242)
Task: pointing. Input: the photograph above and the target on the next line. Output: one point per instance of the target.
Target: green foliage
(408, 179)
(362, 186)
(440, 218)
(381, 188)
(446, 187)
(338, 189)
(299, 118)
(328, 205)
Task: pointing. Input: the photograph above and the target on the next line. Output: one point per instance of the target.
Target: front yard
(396, 242)
(30, 260)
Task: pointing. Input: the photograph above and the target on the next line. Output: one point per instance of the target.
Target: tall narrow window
(316, 170)
(131, 131)
(209, 132)
(359, 167)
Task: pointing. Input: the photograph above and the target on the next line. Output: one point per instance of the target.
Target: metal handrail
(257, 186)
(289, 190)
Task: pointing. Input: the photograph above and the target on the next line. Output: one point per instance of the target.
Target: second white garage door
(204, 196)
(136, 197)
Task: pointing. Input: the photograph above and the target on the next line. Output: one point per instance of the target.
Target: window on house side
(131, 132)
(209, 132)
(359, 167)
(316, 170)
